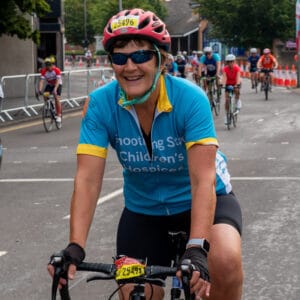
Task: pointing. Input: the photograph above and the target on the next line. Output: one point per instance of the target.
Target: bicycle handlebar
(151, 275)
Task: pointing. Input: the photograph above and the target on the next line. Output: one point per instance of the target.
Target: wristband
(203, 243)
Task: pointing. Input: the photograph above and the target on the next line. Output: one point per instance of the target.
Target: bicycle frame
(266, 82)
(232, 112)
(213, 94)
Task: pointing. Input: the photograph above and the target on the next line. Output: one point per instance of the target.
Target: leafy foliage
(247, 23)
(15, 20)
(98, 14)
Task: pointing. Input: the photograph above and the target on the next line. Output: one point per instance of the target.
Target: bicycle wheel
(234, 118)
(217, 106)
(229, 117)
(48, 117)
(256, 85)
(266, 88)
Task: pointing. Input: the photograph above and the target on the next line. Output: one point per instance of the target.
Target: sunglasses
(137, 57)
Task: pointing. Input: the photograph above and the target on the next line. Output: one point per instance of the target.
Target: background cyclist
(162, 129)
(171, 65)
(231, 76)
(195, 61)
(267, 62)
(51, 75)
(181, 63)
(210, 63)
(252, 65)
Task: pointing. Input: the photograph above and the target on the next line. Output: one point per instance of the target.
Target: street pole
(84, 25)
(298, 62)
(120, 5)
(298, 39)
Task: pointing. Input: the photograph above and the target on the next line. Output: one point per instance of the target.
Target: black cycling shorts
(49, 88)
(146, 237)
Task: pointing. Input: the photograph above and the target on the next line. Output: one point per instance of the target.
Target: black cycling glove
(73, 254)
(198, 258)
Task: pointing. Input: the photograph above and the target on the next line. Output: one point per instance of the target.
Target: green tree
(98, 13)
(247, 23)
(15, 17)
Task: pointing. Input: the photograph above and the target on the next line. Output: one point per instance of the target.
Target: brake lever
(60, 271)
(187, 269)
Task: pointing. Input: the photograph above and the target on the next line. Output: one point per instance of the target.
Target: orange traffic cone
(242, 70)
(80, 64)
(275, 77)
(287, 79)
(97, 62)
(293, 77)
(280, 81)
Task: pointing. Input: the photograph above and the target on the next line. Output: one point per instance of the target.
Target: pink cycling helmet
(136, 23)
(267, 51)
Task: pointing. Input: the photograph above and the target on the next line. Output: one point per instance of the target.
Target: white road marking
(103, 199)
(32, 180)
(3, 253)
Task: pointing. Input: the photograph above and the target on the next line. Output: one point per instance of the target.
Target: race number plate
(125, 21)
(130, 271)
(128, 267)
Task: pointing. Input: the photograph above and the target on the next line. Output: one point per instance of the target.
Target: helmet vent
(158, 29)
(144, 23)
(109, 29)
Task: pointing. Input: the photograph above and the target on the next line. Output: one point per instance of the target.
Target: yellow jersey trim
(207, 141)
(91, 150)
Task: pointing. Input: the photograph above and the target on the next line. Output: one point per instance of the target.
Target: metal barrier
(77, 84)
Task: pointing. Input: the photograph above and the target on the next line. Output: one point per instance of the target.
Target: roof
(180, 20)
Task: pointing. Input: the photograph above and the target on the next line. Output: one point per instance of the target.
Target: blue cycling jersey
(253, 62)
(210, 63)
(158, 184)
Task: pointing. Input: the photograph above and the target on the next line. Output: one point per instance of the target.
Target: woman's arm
(201, 162)
(87, 187)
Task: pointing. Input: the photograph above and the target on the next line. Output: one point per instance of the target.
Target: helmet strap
(143, 98)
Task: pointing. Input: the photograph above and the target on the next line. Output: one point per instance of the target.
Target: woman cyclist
(162, 130)
(267, 63)
(231, 76)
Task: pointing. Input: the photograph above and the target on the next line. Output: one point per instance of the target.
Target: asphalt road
(36, 183)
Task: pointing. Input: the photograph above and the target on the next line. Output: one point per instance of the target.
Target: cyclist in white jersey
(175, 179)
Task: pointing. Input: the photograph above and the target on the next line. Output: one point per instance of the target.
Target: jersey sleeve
(93, 138)
(199, 124)
(216, 57)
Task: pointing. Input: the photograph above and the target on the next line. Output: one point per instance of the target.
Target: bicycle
(266, 83)
(49, 115)
(232, 110)
(127, 270)
(213, 94)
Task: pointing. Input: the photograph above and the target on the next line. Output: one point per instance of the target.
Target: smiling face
(135, 79)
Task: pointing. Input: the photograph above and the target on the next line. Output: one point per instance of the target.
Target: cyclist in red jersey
(52, 76)
(232, 76)
(267, 62)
